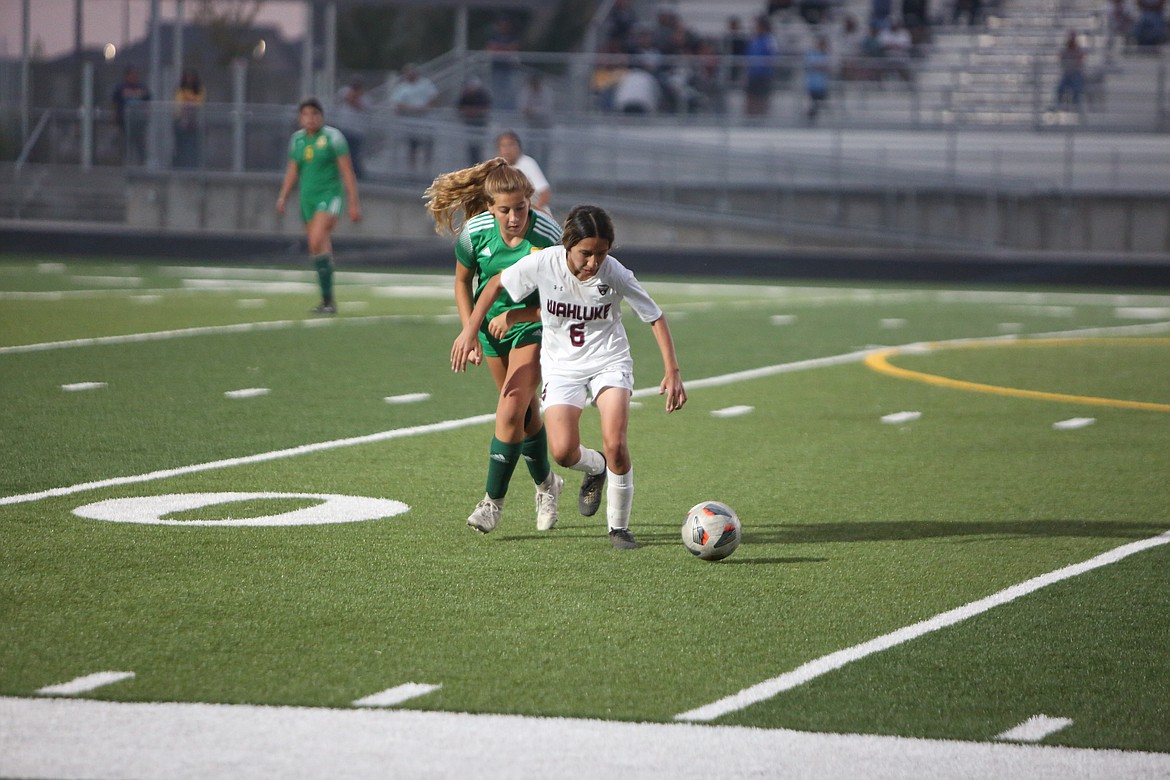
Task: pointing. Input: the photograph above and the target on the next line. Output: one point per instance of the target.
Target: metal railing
(703, 162)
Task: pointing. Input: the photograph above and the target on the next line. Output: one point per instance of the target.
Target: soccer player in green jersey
(318, 157)
(499, 226)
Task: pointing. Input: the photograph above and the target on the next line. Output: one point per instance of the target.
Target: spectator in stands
(897, 47)
(413, 97)
(1072, 72)
(916, 17)
(508, 147)
(666, 26)
(735, 46)
(679, 71)
(813, 11)
(761, 68)
(537, 107)
(503, 46)
(189, 100)
(474, 106)
(352, 116)
(1150, 28)
(129, 96)
(1119, 20)
(816, 76)
(972, 9)
(708, 85)
(607, 74)
(848, 51)
(773, 7)
(871, 45)
(643, 53)
(880, 13)
(636, 92)
(619, 25)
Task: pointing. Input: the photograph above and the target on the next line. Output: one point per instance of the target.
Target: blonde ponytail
(469, 191)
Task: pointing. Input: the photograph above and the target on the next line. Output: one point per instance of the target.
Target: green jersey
(316, 160)
(482, 249)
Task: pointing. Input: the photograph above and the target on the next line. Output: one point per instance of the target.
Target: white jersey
(531, 168)
(582, 321)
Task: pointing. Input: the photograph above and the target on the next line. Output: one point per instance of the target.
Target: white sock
(590, 461)
(619, 496)
(497, 501)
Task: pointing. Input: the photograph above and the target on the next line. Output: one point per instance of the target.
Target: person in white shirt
(508, 147)
(584, 353)
(413, 98)
(637, 92)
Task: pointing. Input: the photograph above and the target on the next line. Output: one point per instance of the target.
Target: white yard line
(218, 330)
(1035, 729)
(291, 452)
(56, 738)
(89, 682)
(833, 661)
(396, 695)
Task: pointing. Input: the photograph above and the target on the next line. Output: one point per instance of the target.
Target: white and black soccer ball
(711, 531)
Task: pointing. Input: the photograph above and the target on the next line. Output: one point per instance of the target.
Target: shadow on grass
(737, 559)
(911, 530)
(662, 534)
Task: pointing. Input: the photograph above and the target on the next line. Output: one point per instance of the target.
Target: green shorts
(517, 336)
(328, 203)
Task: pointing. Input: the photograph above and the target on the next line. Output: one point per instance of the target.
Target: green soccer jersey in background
(316, 160)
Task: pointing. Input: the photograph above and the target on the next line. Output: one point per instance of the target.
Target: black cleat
(622, 539)
(591, 489)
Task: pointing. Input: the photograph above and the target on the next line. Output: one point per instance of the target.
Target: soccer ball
(711, 531)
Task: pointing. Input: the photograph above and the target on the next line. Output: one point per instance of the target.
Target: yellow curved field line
(879, 361)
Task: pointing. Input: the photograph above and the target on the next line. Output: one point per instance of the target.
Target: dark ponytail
(587, 222)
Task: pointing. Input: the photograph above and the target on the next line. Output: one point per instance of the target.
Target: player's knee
(566, 455)
(617, 458)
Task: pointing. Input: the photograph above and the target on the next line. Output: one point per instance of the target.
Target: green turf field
(1008, 463)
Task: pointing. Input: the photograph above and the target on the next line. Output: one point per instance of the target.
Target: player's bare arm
(465, 302)
(290, 179)
(466, 346)
(349, 181)
(672, 384)
(503, 322)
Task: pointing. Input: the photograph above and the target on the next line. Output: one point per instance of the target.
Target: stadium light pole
(25, 71)
(155, 86)
(329, 65)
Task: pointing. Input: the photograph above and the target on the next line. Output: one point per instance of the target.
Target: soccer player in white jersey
(585, 354)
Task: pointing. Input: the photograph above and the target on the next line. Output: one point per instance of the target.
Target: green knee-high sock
(535, 452)
(501, 464)
(324, 265)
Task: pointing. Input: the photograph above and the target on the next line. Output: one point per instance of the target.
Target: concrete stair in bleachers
(1006, 71)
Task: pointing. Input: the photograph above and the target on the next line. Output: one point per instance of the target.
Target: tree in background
(229, 25)
(379, 37)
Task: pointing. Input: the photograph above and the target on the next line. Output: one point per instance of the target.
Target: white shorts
(576, 392)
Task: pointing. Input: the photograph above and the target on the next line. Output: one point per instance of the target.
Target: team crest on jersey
(321, 141)
(603, 289)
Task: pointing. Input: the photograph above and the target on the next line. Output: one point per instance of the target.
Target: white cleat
(546, 503)
(485, 517)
